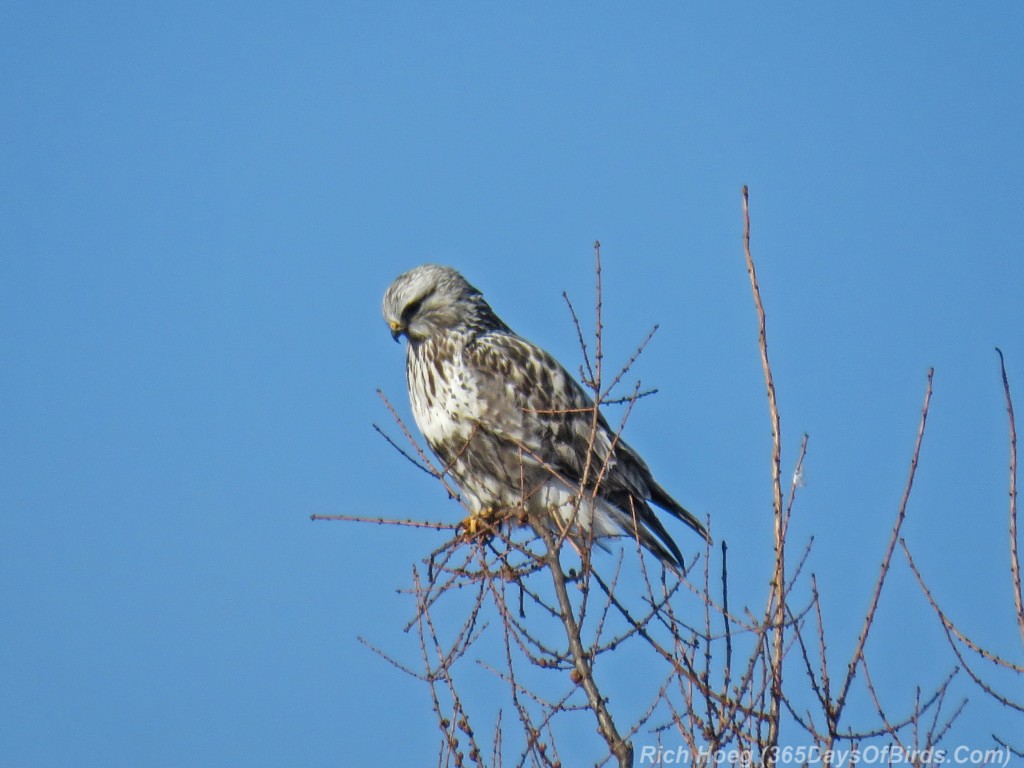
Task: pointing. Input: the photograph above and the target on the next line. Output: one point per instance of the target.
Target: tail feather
(642, 523)
(673, 557)
(660, 497)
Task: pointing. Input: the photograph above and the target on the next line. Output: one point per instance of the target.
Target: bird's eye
(411, 309)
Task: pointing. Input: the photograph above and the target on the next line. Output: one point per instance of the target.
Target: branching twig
(715, 678)
(582, 663)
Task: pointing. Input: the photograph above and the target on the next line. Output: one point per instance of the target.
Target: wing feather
(528, 398)
(525, 396)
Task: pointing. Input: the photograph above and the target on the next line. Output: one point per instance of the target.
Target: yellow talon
(480, 523)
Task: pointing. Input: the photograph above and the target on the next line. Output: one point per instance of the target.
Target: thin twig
(629, 364)
(587, 377)
(948, 623)
(1014, 557)
(869, 617)
(726, 679)
(388, 521)
(584, 674)
(422, 467)
(777, 609)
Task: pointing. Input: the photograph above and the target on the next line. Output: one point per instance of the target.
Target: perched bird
(512, 427)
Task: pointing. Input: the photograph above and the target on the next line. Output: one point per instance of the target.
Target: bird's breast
(440, 392)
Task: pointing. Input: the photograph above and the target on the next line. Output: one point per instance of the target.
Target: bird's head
(428, 301)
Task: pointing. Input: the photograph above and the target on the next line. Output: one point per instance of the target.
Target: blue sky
(202, 205)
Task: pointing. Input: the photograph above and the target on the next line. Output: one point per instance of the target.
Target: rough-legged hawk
(511, 426)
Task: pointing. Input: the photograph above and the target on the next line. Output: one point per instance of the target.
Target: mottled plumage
(510, 425)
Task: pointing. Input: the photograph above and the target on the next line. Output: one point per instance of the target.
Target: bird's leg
(482, 523)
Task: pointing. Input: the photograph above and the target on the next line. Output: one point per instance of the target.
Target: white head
(432, 300)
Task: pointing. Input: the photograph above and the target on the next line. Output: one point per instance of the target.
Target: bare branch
(712, 677)
(777, 604)
(588, 377)
(388, 521)
(625, 369)
(869, 617)
(1014, 557)
(582, 663)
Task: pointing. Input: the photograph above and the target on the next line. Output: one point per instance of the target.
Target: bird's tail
(642, 523)
(660, 497)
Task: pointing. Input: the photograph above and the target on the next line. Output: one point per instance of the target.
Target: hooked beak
(396, 331)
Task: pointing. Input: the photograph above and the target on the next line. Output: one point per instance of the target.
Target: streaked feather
(511, 426)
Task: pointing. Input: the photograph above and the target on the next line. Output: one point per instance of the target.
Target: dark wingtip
(705, 535)
(660, 497)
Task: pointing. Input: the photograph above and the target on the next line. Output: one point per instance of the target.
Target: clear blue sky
(202, 203)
